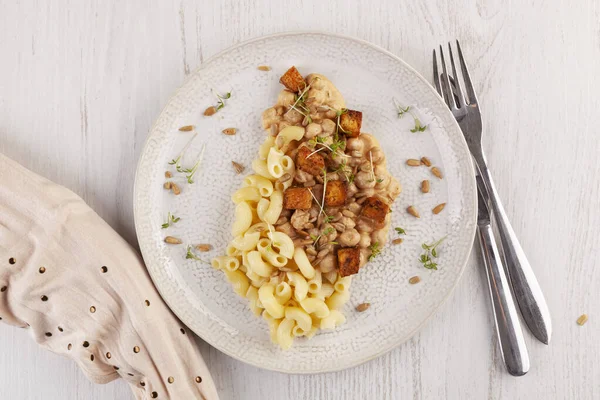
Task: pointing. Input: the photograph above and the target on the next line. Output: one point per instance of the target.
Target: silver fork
(525, 286)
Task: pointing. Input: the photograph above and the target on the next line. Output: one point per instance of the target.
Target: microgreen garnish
(171, 219)
(192, 171)
(418, 127)
(400, 231)
(375, 250)
(372, 169)
(401, 111)
(379, 180)
(176, 161)
(300, 103)
(190, 255)
(324, 191)
(342, 168)
(430, 250)
(325, 232)
(328, 219)
(221, 99)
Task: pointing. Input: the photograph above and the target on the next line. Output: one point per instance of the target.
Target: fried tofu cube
(348, 260)
(375, 209)
(297, 199)
(293, 80)
(350, 122)
(335, 193)
(310, 162)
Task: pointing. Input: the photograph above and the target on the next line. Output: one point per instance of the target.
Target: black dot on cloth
(198, 379)
(48, 334)
(60, 329)
(104, 269)
(92, 357)
(86, 344)
(154, 395)
(42, 270)
(182, 331)
(44, 298)
(12, 261)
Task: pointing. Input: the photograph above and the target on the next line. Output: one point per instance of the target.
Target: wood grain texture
(82, 82)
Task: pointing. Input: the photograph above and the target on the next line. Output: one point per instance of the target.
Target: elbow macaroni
(295, 298)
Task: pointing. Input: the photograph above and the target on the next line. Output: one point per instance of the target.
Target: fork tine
(446, 83)
(436, 75)
(458, 93)
(465, 73)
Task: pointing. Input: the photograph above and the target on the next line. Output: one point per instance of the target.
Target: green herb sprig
(171, 219)
(400, 231)
(430, 251)
(401, 111)
(375, 250)
(190, 255)
(221, 99)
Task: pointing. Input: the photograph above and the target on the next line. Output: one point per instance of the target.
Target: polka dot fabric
(85, 293)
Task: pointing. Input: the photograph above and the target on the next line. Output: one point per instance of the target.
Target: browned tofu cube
(297, 199)
(293, 80)
(375, 209)
(335, 193)
(348, 260)
(350, 122)
(310, 162)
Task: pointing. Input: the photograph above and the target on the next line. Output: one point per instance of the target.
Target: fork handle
(525, 286)
(508, 328)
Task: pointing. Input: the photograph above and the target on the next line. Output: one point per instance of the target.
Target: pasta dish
(313, 213)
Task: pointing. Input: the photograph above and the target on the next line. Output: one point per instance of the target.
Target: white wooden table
(81, 83)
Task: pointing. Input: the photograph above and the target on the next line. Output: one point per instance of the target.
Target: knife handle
(508, 328)
(526, 288)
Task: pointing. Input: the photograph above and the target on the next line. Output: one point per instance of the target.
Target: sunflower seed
(425, 186)
(186, 128)
(175, 189)
(168, 185)
(284, 178)
(212, 110)
(172, 240)
(582, 319)
(229, 131)
(264, 68)
(413, 211)
(203, 247)
(414, 280)
(363, 307)
(397, 241)
(274, 130)
(436, 171)
(413, 163)
(168, 174)
(239, 168)
(426, 161)
(438, 209)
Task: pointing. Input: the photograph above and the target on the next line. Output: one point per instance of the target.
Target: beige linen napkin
(84, 292)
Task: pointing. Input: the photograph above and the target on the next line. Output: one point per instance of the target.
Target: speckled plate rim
(471, 172)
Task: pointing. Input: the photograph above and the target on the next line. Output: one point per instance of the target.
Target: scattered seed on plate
(413, 163)
(436, 171)
(426, 161)
(582, 319)
(187, 128)
(438, 209)
(363, 307)
(168, 185)
(264, 68)
(203, 247)
(229, 131)
(414, 280)
(397, 241)
(175, 189)
(239, 168)
(212, 110)
(168, 174)
(425, 186)
(413, 211)
(172, 240)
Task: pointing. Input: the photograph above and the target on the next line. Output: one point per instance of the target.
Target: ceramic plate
(369, 78)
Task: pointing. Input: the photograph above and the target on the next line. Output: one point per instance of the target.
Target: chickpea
(328, 263)
(282, 125)
(379, 237)
(377, 155)
(351, 190)
(313, 130)
(270, 117)
(354, 207)
(365, 240)
(286, 98)
(293, 116)
(355, 144)
(348, 222)
(330, 114)
(328, 126)
(349, 238)
(368, 141)
(364, 227)
(364, 180)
